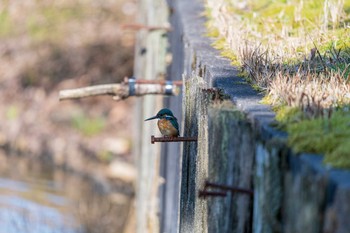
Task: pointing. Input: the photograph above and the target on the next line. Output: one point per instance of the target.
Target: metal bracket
(132, 89)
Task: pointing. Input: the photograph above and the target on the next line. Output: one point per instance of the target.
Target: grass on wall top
(298, 53)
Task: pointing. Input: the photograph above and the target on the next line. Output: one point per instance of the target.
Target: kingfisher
(167, 123)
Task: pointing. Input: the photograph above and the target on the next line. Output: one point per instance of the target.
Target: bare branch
(123, 90)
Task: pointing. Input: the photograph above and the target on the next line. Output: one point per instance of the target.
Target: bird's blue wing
(175, 124)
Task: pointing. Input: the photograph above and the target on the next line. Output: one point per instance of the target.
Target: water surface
(35, 200)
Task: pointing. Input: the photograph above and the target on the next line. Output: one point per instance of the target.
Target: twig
(320, 56)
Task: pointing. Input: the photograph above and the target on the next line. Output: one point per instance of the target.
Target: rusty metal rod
(172, 139)
(205, 193)
(136, 26)
(228, 188)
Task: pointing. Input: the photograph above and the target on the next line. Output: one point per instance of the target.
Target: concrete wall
(238, 147)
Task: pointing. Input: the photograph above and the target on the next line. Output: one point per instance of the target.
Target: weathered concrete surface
(225, 155)
(337, 215)
(338, 211)
(313, 193)
(305, 194)
(267, 189)
(231, 159)
(230, 214)
(193, 165)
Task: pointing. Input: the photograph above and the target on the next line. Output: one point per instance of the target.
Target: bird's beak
(151, 118)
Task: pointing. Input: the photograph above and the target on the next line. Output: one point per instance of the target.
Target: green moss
(212, 31)
(225, 107)
(266, 100)
(219, 43)
(340, 157)
(328, 136)
(286, 114)
(256, 87)
(310, 136)
(230, 55)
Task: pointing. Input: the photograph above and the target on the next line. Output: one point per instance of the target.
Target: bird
(167, 123)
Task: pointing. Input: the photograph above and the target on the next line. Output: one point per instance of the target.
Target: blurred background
(65, 166)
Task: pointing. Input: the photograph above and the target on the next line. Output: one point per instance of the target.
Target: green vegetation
(12, 112)
(88, 126)
(5, 23)
(105, 156)
(220, 44)
(323, 135)
(49, 22)
(299, 53)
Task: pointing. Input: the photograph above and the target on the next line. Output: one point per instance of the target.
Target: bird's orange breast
(166, 128)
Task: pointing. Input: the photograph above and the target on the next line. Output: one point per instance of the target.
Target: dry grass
(298, 53)
(315, 94)
(294, 51)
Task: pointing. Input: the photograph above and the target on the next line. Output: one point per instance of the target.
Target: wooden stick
(121, 90)
(118, 91)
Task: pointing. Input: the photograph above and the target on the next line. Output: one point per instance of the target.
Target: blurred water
(29, 204)
(37, 200)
